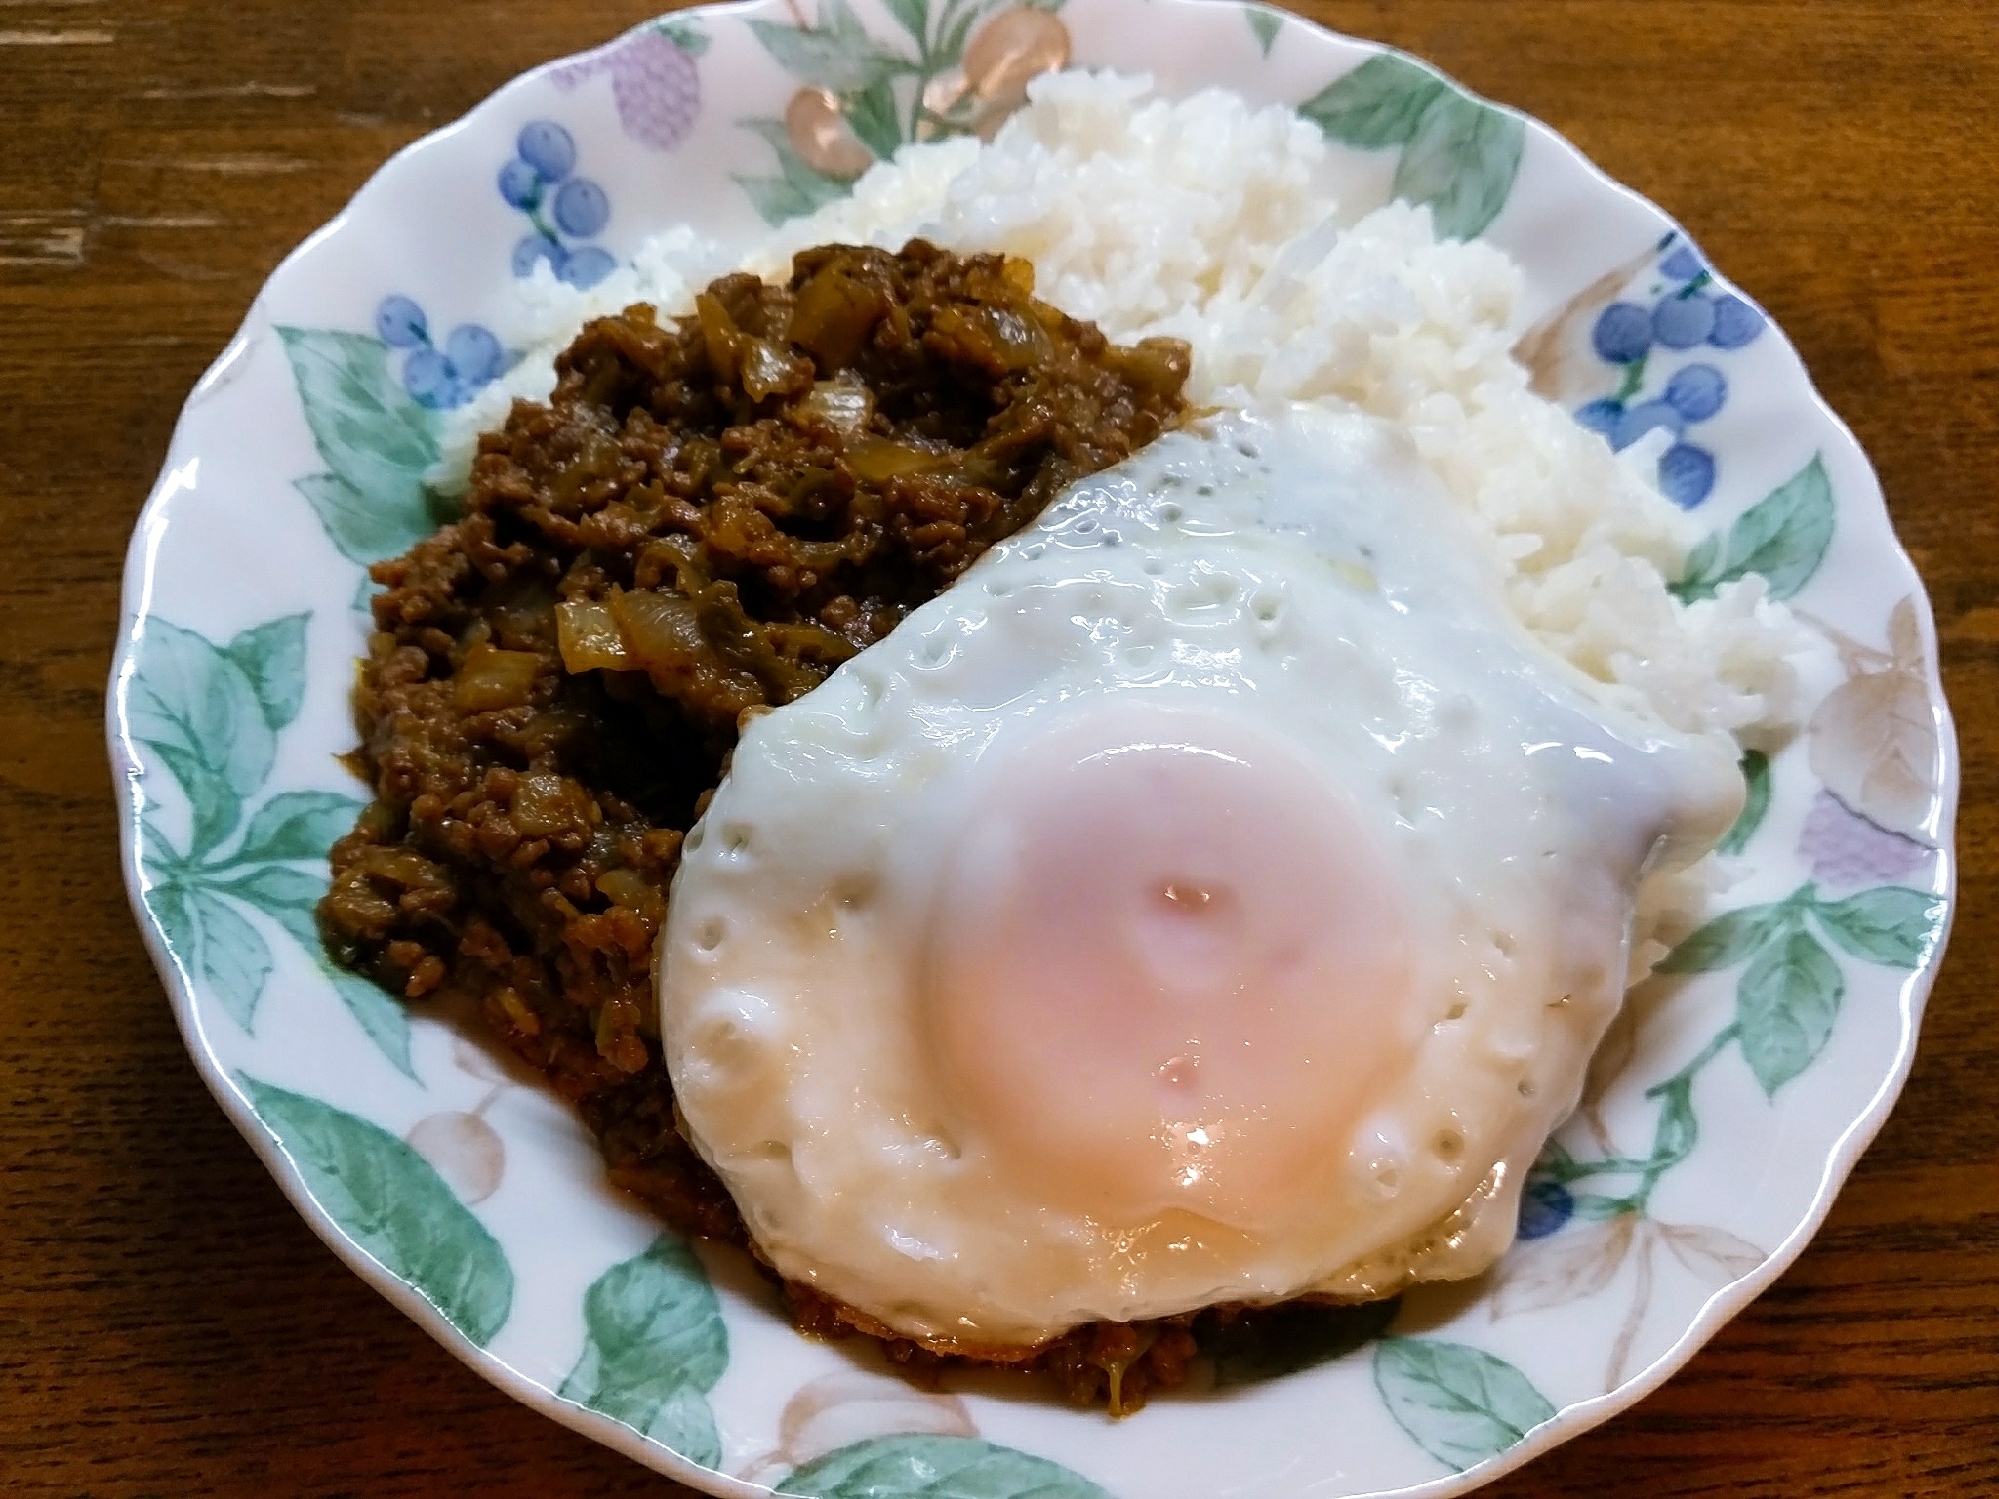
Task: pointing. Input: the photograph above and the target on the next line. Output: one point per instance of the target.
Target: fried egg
(1214, 897)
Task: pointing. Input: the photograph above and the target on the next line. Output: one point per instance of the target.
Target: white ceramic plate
(1725, 1109)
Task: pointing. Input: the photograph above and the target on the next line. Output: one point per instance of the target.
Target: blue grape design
(441, 378)
(547, 149)
(520, 185)
(400, 323)
(1602, 416)
(541, 182)
(1623, 333)
(1697, 392)
(1545, 1208)
(581, 209)
(1683, 322)
(1684, 314)
(1682, 265)
(1735, 323)
(1686, 474)
(1646, 416)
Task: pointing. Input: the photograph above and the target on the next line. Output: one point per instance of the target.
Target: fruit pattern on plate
(540, 181)
(440, 378)
(1685, 316)
(655, 83)
(960, 67)
(372, 406)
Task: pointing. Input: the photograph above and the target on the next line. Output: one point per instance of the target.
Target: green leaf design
(365, 425)
(1286, 1339)
(163, 861)
(654, 1345)
(379, 1014)
(225, 953)
(1378, 104)
(298, 825)
(934, 1467)
(377, 442)
(1679, 1129)
(211, 714)
(1265, 24)
(1458, 1404)
(288, 896)
(291, 898)
(913, 16)
(1460, 156)
(1783, 536)
(363, 529)
(194, 707)
(684, 32)
(1729, 939)
(1461, 161)
(166, 901)
(837, 54)
(391, 1202)
(1592, 1208)
(1785, 1007)
(272, 656)
(871, 112)
(686, 1424)
(1755, 803)
(1893, 925)
(798, 190)
(951, 48)
(1704, 563)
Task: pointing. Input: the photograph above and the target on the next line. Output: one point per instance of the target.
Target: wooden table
(168, 1326)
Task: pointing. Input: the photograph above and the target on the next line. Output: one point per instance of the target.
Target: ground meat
(703, 521)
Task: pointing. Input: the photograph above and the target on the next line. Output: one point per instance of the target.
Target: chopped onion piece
(843, 405)
(543, 804)
(588, 635)
(627, 887)
(769, 371)
(660, 629)
(880, 459)
(492, 679)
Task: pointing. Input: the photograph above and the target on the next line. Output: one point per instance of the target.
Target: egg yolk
(1164, 968)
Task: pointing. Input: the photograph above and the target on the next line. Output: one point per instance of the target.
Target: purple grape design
(654, 80)
(1844, 848)
(1686, 315)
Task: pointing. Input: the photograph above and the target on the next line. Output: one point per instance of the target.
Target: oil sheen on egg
(1215, 896)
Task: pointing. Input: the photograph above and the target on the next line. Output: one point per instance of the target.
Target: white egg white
(1306, 577)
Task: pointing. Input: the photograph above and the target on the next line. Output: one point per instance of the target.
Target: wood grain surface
(168, 1326)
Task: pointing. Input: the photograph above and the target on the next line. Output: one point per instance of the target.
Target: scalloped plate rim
(1570, 1421)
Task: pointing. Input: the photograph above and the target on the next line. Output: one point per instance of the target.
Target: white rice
(1209, 220)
